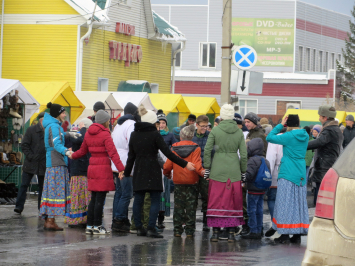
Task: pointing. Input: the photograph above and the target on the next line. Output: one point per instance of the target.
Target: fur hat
(147, 115)
(161, 116)
(327, 110)
(55, 109)
(102, 117)
(187, 133)
(227, 112)
(252, 117)
(264, 121)
(293, 121)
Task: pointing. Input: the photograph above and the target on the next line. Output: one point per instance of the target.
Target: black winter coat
(34, 150)
(80, 166)
(327, 146)
(349, 134)
(144, 144)
(255, 149)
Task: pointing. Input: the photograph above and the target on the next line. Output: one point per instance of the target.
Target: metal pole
(226, 51)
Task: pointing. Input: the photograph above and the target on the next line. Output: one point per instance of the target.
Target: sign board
(272, 39)
(253, 82)
(244, 57)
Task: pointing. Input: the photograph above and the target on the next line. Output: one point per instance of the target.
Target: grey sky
(341, 6)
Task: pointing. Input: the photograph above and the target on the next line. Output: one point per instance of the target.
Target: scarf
(163, 132)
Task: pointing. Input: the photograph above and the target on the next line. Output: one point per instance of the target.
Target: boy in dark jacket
(255, 148)
(186, 182)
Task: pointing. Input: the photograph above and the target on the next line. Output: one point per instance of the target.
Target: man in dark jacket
(35, 162)
(327, 145)
(255, 131)
(99, 106)
(255, 149)
(200, 138)
(349, 131)
(190, 121)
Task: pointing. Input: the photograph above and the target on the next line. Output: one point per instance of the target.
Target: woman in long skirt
(80, 196)
(291, 210)
(225, 197)
(56, 193)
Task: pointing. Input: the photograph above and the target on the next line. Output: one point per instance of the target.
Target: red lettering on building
(126, 52)
(125, 28)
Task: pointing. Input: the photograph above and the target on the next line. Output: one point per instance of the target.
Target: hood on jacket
(48, 119)
(255, 147)
(184, 148)
(96, 128)
(228, 126)
(300, 134)
(124, 118)
(144, 126)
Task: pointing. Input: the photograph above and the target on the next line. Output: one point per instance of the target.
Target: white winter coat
(274, 155)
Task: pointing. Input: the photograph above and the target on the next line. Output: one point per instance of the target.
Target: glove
(74, 135)
(244, 177)
(68, 153)
(207, 173)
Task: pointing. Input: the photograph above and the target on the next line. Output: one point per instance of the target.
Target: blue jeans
(154, 208)
(255, 212)
(271, 198)
(122, 197)
(21, 195)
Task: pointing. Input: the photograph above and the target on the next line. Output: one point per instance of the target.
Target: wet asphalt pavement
(24, 242)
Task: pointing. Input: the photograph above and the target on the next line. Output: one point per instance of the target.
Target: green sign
(272, 39)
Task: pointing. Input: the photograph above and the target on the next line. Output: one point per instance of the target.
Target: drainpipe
(2, 35)
(174, 60)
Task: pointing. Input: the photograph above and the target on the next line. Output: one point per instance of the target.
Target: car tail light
(326, 195)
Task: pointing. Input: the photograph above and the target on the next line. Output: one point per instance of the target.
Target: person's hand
(190, 166)
(69, 153)
(207, 174)
(121, 175)
(203, 172)
(81, 125)
(284, 120)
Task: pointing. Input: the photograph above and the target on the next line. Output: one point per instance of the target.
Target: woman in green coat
(225, 197)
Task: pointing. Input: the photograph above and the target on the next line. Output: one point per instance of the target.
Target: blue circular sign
(244, 57)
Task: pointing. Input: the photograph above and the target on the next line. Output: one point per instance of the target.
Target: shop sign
(126, 52)
(125, 28)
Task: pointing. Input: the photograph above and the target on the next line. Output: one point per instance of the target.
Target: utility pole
(226, 51)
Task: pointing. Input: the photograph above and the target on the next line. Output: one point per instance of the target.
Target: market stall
(17, 105)
(174, 107)
(137, 98)
(56, 92)
(89, 98)
(203, 106)
(311, 117)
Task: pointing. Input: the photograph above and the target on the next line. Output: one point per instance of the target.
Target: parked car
(331, 236)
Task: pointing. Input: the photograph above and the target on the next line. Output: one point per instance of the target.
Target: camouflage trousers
(185, 205)
(203, 190)
(145, 213)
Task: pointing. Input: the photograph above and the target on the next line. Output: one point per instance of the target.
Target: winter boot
(296, 239)
(245, 230)
(141, 232)
(283, 239)
(231, 235)
(50, 225)
(224, 234)
(270, 232)
(161, 224)
(153, 233)
(252, 236)
(215, 235)
(204, 220)
(120, 226)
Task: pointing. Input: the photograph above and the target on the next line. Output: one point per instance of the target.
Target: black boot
(231, 235)
(205, 227)
(152, 232)
(245, 230)
(296, 239)
(283, 239)
(270, 232)
(141, 232)
(161, 220)
(224, 234)
(215, 235)
(120, 226)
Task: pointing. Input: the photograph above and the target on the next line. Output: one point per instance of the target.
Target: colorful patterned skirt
(291, 209)
(56, 192)
(165, 198)
(80, 199)
(225, 204)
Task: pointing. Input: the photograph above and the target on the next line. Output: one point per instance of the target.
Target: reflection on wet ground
(23, 242)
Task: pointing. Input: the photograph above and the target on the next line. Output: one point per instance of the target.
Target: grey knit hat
(252, 117)
(349, 118)
(102, 117)
(187, 133)
(327, 110)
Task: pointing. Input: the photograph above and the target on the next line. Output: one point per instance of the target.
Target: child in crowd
(256, 191)
(186, 182)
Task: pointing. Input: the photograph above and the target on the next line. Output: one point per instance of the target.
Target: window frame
(177, 67)
(208, 55)
(286, 100)
(320, 60)
(300, 58)
(314, 59)
(332, 59)
(308, 64)
(326, 62)
(249, 99)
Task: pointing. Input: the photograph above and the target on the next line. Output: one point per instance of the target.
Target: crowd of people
(231, 167)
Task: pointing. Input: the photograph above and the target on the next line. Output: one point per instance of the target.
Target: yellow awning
(56, 92)
(312, 115)
(202, 105)
(169, 103)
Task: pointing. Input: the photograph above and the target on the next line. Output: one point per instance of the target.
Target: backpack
(263, 179)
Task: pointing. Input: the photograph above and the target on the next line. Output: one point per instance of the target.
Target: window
(102, 84)
(326, 62)
(320, 61)
(308, 59)
(247, 106)
(175, 47)
(208, 55)
(314, 60)
(300, 58)
(339, 58)
(332, 63)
